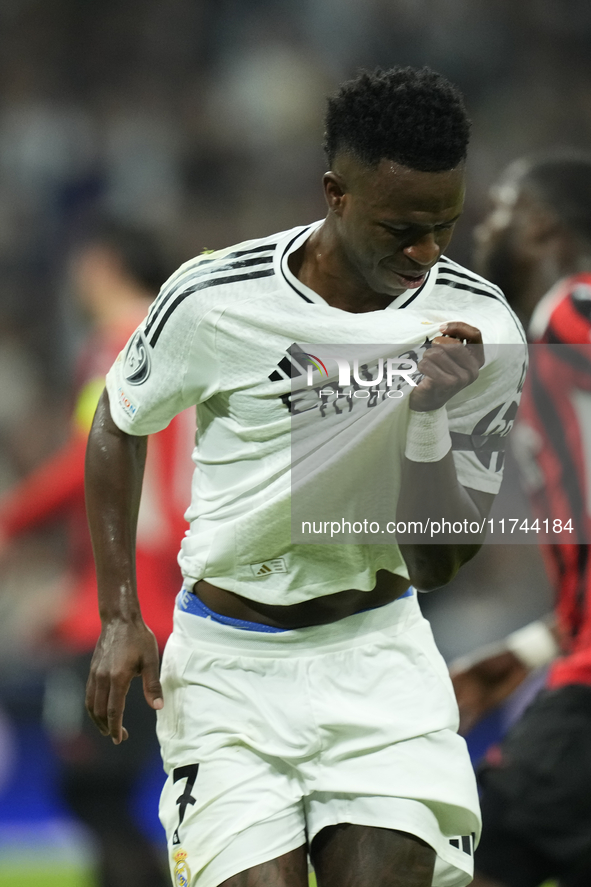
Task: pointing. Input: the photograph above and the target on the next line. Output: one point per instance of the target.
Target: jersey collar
(293, 242)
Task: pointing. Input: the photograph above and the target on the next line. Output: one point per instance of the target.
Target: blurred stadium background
(202, 121)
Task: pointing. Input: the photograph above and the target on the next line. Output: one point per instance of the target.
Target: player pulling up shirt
(310, 708)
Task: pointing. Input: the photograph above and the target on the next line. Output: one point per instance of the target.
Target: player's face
(393, 223)
(506, 242)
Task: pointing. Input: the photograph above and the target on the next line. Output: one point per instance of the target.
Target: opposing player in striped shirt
(536, 798)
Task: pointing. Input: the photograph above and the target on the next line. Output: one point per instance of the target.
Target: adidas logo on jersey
(291, 366)
(275, 565)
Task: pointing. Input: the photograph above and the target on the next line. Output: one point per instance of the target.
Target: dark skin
(486, 684)
(386, 227)
(524, 247)
(348, 855)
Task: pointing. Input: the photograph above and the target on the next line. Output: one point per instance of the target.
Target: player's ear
(334, 191)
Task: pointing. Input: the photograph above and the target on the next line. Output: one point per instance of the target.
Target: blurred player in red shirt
(115, 275)
(536, 787)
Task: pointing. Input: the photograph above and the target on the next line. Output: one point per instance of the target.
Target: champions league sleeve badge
(137, 364)
(182, 873)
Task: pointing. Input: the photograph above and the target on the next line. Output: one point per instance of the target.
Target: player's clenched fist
(451, 364)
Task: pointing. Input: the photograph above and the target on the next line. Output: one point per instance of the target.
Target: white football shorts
(267, 738)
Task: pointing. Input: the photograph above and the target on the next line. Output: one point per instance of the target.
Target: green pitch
(26, 875)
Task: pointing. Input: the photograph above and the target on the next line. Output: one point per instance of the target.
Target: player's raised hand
(124, 650)
(451, 364)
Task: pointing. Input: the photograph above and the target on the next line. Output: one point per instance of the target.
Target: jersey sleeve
(168, 365)
(481, 416)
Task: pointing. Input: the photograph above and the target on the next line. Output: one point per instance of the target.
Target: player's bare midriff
(317, 611)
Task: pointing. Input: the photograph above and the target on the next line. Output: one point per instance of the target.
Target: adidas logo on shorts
(464, 842)
(275, 565)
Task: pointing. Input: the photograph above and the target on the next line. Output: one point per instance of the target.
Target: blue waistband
(190, 603)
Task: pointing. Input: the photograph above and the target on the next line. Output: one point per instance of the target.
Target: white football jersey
(236, 334)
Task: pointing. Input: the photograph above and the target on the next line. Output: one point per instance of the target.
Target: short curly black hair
(414, 117)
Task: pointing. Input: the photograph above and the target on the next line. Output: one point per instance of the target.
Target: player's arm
(485, 678)
(430, 490)
(126, 647)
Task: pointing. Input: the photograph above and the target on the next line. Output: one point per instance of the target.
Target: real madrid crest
(182, 873)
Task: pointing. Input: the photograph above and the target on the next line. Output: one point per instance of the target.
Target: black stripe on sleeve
(495, 294)
(217, 281)
(451, 268)
(456, 284)
(186, 272)
(199, 263)
(198, 273)
(242, 252)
